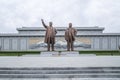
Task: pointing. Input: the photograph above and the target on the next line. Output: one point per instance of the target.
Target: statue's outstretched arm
(43, 23)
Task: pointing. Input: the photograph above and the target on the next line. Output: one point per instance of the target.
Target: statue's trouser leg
(52, 43)
(68, 45)
(72, 46)
(48, 44)
(52, 47)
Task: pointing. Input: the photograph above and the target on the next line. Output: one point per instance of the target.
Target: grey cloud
(18, 13)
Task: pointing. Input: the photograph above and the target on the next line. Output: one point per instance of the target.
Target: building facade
(32, 38)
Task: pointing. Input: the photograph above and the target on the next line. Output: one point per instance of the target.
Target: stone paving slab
(86, 61)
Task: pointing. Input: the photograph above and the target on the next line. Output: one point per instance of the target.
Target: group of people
(70, 34)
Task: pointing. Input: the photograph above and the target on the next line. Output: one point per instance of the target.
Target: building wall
(105, 43)
(32, 32)
(13, 43)
(95, 43)
(118, 39)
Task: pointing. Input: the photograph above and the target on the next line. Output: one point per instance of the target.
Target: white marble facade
(32, 38)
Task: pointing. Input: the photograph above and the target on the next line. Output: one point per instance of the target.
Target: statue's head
(70, 25)
(50, 23)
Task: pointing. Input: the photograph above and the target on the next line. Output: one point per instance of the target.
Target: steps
(82, 72)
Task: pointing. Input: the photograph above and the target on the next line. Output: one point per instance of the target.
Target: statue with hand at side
(70, 34)
(50, 35)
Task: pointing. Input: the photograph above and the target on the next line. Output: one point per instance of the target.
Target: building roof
(39, 35)
(60, 28)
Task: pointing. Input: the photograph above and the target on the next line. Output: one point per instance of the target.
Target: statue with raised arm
(70, 34)
(49, 35)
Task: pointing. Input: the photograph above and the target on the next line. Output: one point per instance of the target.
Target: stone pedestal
(60, 54)
(49, 54)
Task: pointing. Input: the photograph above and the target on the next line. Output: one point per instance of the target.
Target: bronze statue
(50, 35)
(70, 37)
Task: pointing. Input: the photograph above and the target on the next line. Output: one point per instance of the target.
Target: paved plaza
(81, 61)
(60, 66)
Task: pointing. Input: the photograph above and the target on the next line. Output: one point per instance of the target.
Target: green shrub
(17, 53)
(112, 52)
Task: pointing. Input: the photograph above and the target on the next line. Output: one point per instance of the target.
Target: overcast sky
(82, 13)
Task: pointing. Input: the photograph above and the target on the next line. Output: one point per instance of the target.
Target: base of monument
(58, 54)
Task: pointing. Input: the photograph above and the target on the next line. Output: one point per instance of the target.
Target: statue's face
(70, 25)
(50, 23)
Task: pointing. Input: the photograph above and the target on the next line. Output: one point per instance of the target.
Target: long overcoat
(50, 35)
(70, 34)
